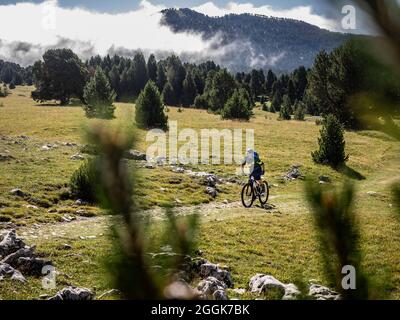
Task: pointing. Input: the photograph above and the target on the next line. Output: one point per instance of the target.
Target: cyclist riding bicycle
(257, 168)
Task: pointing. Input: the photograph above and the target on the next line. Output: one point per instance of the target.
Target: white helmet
(249, 150)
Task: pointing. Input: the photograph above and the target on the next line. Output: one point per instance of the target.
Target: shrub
(238, 106)
(286, 109)
(299, 111)
(83, 182)
(150, 108)
(201, 102)
(99, 96)
(12, 85)
(331, 143)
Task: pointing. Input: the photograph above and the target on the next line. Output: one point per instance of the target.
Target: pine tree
(189, 90)
(139, 73)
(99, 96)
(152, 68)
(276, 102)
(331, 143)
(161, 77)
(286, 109)
(299, 111)
(168, 95)
(150, 108)
(238, 106)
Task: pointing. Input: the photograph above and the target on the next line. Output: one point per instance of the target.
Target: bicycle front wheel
(247, 195)
(264, 193)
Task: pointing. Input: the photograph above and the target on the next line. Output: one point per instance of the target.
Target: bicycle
(251, 190)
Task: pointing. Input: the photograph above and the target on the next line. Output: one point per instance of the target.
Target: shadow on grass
(350, 172)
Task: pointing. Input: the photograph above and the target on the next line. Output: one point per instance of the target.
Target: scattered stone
(293, 173)
(12, 258)
(261, 283)
(212, 288)
(372, 193)
(149, 166)
(211, 191)
(179, 170)
(322, 293)
(10, 243)
(80, 202)
(324, 179)
(48, 147)
(135, 155)
(5, 157)
(6, 271)
(67, 218)
(18, 193)
(70, 144)
(52, 210)
(208, 269)
(32, 265)
(73, 293)
(31, 206)
(225, 202)
(77, 156)
(81, 212)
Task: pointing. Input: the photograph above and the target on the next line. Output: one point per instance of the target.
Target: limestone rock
(6, 271)
(213, 270)
(73, 293)
(10, 243)
(262, 283)
(212, 288)
(322, 293)
(135, 155)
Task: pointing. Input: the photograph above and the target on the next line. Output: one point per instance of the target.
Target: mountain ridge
(281, 44)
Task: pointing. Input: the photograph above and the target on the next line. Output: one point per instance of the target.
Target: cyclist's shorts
(257, 173)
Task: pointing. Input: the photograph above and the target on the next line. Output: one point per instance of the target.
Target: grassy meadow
(280, 241)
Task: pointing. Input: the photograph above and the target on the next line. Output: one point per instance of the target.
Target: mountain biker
(257, 168)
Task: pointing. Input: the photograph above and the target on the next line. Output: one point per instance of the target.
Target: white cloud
(303, 13)
(47, 22)
(28, 29)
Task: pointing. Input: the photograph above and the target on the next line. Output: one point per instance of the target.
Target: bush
(264, 107)
(99, 97)
(238, 106)
(150, 108)
(286, 109)
(299, 111)
(331, 143)
(12, 85)
(83, 182)
(201, 102)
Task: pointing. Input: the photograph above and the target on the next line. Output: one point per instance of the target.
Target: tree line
(13, 74)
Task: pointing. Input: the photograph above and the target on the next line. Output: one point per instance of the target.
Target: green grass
(281, 242)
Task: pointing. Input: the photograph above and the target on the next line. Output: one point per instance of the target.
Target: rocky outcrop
(294, 173)
(212, 288)
(17, 258)
(135, 155)
(264, 284)
(322, 293)
(73, 294)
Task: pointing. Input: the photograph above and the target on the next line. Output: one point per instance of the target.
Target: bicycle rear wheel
(247, 195)
(264, 194)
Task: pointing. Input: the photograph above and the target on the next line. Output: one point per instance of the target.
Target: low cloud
(303, 13)
(28, 29)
